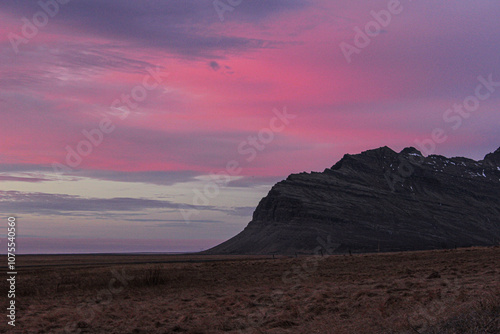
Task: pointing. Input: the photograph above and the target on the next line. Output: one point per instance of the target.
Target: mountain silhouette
(378, 200)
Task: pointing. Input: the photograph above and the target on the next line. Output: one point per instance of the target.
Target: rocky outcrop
(378, 200)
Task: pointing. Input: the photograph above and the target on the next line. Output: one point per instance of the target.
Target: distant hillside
(378, 200)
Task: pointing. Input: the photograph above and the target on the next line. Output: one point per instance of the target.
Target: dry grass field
(445, 291)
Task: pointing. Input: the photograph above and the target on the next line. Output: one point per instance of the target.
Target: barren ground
(445, 291)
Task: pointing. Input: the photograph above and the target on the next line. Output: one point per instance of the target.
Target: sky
(157, 126)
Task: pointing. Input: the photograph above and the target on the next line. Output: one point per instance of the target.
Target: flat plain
(440, 291)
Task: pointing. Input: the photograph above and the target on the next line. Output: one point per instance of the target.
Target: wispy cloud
(214, 65)
(22, 179)
(179, 27)
(60, 204)
(71, 205)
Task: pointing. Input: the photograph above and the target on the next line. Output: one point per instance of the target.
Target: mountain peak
(384, 150)
(411, 150)
(493, 158)
(365, 158)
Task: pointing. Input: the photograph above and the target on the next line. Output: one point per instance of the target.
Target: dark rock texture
(378, 200)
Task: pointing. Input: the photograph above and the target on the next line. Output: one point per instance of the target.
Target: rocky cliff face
(378, 200)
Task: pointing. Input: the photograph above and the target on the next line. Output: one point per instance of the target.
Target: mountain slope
(378, 200)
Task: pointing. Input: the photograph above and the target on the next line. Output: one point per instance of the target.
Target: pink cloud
(199, 116)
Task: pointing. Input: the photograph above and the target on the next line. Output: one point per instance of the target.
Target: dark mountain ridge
(378, 200)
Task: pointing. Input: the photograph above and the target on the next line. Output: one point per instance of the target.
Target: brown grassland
(442, 291)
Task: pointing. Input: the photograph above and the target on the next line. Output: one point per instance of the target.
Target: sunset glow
(130, 120)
